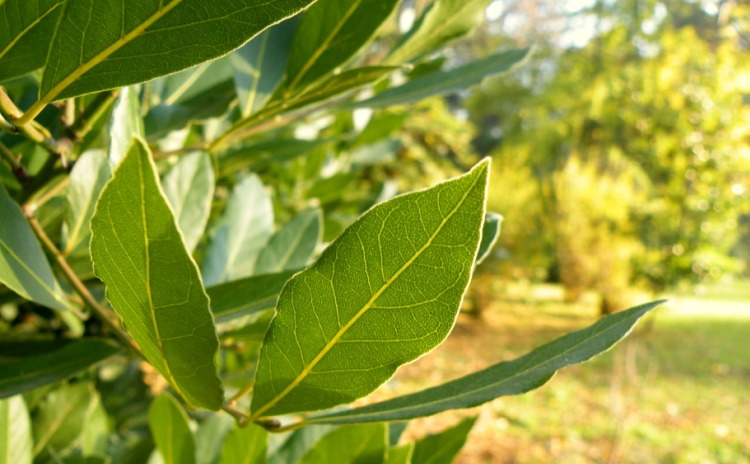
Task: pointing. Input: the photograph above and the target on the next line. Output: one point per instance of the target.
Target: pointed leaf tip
(324, 346)
(152, 281)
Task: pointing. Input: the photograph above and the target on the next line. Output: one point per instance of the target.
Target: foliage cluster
(203, 189)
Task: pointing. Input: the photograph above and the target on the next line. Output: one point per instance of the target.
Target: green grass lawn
(676, 391)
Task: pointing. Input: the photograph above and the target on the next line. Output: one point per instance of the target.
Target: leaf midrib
(104, 54)
(364, 308)
(323, 46)
(492, 385)
(429, 35)
(147, 281)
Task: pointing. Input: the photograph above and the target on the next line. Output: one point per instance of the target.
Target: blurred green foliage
(627, 157)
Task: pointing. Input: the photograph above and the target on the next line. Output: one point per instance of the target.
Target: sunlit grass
(676, 391)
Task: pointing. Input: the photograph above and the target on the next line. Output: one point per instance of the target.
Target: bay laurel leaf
(152, 281)
(384, 293)
(514, 377)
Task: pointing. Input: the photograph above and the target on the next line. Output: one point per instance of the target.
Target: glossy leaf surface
(99, 46)
(87, 180)
(329, 34)
(189, 188)
(27, 29)
(152, 282)
(291, 246)
(439, 83)
(506, 378)
(395, 277)
(242, 232)
(442, 448)
(30, 364)
(15, 432)
(441, 23)
(169, 427)
(359, 444)
(23, 266)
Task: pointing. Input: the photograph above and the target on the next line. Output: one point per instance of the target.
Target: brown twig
(102, 313)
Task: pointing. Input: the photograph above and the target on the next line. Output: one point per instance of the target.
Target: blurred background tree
(623, 142)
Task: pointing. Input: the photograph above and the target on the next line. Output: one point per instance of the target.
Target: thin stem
(5, 126)
(91, 115)
(9, 109)
(98, 310)
(7, 155)
(248, 388)
(238, 414)
(19, 171)
(289, 427)
(34, 132)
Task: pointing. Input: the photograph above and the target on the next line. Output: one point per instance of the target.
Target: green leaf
(490, 234)
(15, 432)
(23, 266)
(240, 235)
(395, 430)
(245, 445)
(189, 84)
(29, 364)
(125, 124)
(441, 23)
(86, 181)
(291, 247)
(210, 436)
(329, 34)
(246, 296)
(442, 448)
(331, 188)
(259, 65)
(260, 154)
(152, 282)
(169, 427)
(324, 346)
(103, 46)
(506, 378)
(211, 103)
(95, 433)
(189, 188)
(439, 83)
(62, 417)
(335, 86)
(400, 454)
(296, 444)
(358, 444)
(27, 29)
